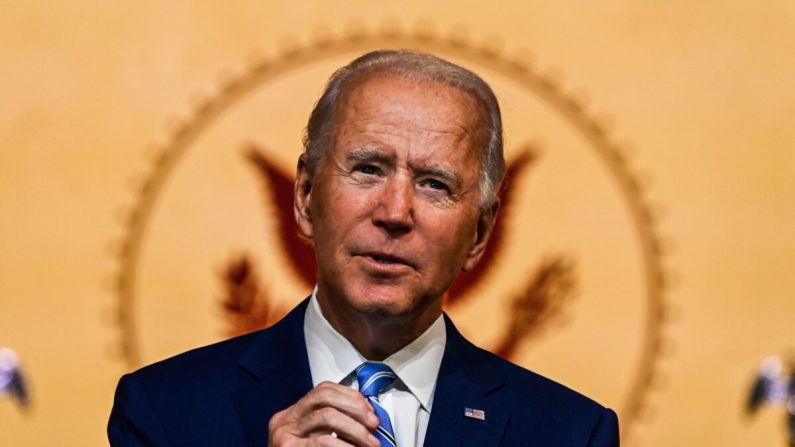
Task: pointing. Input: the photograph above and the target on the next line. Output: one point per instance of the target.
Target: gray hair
(412, 65)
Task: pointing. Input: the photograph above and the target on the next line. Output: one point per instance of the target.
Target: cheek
(340, 210)
(451, 239)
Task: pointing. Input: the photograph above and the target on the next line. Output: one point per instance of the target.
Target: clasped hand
(330, 415)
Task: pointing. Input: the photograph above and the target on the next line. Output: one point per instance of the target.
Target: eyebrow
(367, 154)
(372, 155)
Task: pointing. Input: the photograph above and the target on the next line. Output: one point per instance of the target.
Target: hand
(330, 415)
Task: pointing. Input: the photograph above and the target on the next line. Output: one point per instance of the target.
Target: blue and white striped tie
(373, 379)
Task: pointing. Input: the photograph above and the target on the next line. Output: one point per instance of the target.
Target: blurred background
(647, 254)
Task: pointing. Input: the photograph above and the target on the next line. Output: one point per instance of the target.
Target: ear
(302, 198)
(483, 231)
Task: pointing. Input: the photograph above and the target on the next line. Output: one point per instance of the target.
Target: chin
(384, 300)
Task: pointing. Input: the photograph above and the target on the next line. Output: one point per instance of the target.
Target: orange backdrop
(646, 251)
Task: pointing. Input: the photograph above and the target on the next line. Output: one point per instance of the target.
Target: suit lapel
(467, 379)
(278, 363)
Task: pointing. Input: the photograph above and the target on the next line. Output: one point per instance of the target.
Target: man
(396, 190)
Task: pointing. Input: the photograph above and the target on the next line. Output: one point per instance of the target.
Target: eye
(367, 169)
(436, 184)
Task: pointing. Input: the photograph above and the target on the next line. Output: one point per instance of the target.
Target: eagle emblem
(540, 299)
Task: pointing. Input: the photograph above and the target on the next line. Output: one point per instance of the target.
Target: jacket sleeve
(133, 422)
(605, 432)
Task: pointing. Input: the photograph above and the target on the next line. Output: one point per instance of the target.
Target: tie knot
(373, 378)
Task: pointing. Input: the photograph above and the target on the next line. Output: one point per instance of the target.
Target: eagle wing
(279, 193)
(466, 280)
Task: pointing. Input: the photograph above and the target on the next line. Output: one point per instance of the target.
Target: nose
(395, 210)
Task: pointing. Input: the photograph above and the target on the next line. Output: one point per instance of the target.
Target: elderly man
(396, 190)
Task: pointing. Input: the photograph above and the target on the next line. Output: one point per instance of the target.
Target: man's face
(393, 211)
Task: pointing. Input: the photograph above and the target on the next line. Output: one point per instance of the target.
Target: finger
(329, 441)
(344, 399)
(328, 419)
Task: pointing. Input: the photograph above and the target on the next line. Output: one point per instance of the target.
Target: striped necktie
(373, 379)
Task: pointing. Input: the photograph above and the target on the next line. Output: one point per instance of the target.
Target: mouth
(386, 260)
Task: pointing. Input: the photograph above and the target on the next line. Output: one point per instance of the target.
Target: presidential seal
(572, 285)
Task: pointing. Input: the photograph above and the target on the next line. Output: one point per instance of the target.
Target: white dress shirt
(408, 401)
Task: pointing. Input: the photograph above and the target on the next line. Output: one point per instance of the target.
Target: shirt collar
(332, 357)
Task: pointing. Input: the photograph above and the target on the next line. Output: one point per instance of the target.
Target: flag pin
(474, 413)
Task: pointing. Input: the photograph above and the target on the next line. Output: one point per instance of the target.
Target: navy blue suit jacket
(225, 394)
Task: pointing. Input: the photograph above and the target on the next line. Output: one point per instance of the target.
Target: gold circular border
(326, 45)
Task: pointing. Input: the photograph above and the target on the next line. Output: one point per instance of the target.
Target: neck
(377, 336)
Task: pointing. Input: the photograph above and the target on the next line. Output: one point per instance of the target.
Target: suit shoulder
(199, 364)
(219, 367)
(567, 416)
(528, 384)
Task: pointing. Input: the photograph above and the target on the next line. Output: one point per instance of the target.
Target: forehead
(412, 108)
(390, 90)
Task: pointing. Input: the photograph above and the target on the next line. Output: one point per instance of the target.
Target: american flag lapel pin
(474, 413)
